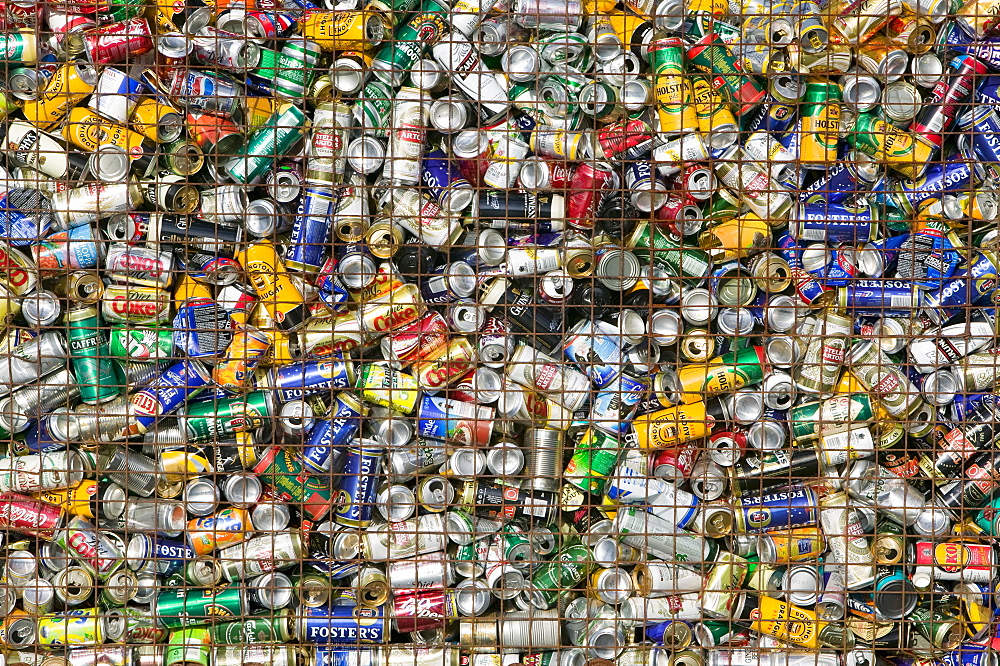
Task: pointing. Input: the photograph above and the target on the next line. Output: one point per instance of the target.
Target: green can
(712, 56)
(988, 518)
(397, 57)
(295, 68)
(76, 627)
(188, 646)
(657, 246)
(121, 10)
(267, 66)
(593, 461)
(274, 627)
(88, 348)
(278, 469)
(807, 419)
(374, 108)
(554, 578)
(178, 608)
(17, 47)
(943, 630)
(141, 344)
(216, 420)
(267, 145)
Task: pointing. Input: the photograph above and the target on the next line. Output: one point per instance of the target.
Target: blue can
(595, 352)
(974, 283)
(17, 227)
(809, 289)
(443, 180)
(881, 298)
(359, 480)
(38, 438)
(342, 623)
(988, 91)
(967, 403)
(985, 138)
(167, 392)
(202, 328)
(328, 436)
(616, 404)
(773, 117)
(969, 654)
(331, 656)
(311, 231)
(297, 380)
(948, 177)
(833, 223)
(841, 270)
(163, 556)
(839, 183)
(784, 510)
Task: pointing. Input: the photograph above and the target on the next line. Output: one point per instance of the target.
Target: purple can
(444, 181)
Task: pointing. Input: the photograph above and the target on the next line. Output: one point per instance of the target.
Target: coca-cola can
(119, 41)
(29, 516)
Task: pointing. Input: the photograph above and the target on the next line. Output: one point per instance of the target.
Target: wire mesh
(542, 332)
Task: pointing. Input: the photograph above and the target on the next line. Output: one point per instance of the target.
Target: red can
(420, 610)
(28, 515)
(119, 41)
(696, 182)
(679, 216)
(626, 138)
(210, 132)
(21, 15)
(267, 25)
(676, 463)
(948, 99)
(589, 180)
(417, 341)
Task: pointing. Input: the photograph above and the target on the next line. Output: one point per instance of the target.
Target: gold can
(980, 17)
(157, 121)
(240, 359)
(70, 84)
(358, 30)
(88, 131)
(77, 500)
(258, 110)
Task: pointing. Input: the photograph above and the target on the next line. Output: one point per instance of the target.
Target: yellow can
(77, 500)
(157, 121)
(715, 117)
(188, 289)
(670, 86)
(787, 623)
(736, 238)
(387, 387)
(275, 289)
(70, 84)
(673, 426)
(358, 30)
(88, 131)
(241, 357)
(258, 110)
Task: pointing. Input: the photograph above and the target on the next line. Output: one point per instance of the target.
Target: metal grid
(550, 332)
